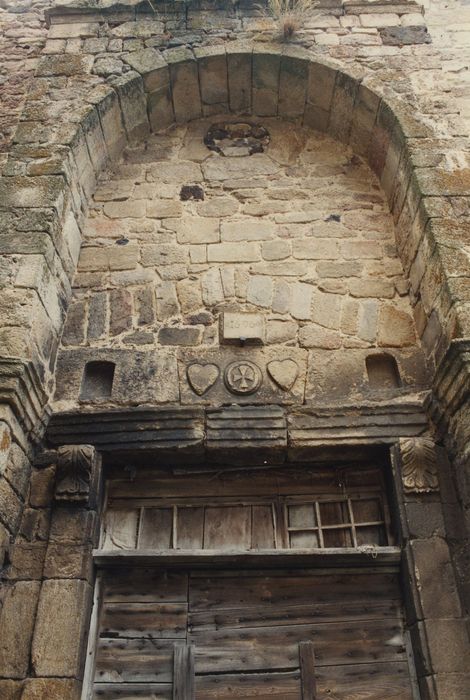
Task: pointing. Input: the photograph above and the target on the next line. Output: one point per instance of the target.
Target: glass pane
(302, 515)
(334, 513)
(371, 535)
(303, 540)
(367, 511)
(337, 538)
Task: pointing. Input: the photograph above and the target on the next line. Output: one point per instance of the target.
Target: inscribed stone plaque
(240, 328)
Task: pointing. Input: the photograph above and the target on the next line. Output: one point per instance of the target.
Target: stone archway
(52, 174)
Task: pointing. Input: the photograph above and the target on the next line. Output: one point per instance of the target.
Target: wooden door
(295, 634)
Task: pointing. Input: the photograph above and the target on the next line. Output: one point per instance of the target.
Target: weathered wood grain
(133, 691)
(307, 671)
(260, 686)
(150, 620)
(134, 660)
(183, 672)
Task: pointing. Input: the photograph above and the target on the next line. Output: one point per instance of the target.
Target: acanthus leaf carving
(76, 465)
(419, 465)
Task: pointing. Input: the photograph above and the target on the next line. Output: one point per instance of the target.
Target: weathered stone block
(51, 689)
(66, 64)
(320, 88)
(130, 89)
(39, 191)
(11, 690)
(61, 624)
(396, 328)
(180, 336)
(342, 107)
(435, 578)
(266, 68)
(212, 65)
(292, 86)
(239, 64)
(152, 67)
(107, 105)
(184, 80)
(235, 326)
(246, 230)
(17, 617)
(233, 252)
(405, 36)
(160, 108)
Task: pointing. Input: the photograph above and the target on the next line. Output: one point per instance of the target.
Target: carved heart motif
(202, 377)
(283, 372)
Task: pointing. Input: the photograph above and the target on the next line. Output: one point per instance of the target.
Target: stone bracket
(419, 465)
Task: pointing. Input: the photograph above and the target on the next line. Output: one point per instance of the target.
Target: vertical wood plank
(183, 672)
(307, 671)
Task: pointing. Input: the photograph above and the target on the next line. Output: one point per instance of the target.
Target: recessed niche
(97, 382)
(237, 138)
(382, 371)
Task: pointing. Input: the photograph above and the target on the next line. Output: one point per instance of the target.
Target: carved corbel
(419, 465)
(77, 473)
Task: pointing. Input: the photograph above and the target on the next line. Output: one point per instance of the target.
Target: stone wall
(299, 235)
(368, 76)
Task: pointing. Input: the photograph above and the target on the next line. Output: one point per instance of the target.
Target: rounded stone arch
(264, 81)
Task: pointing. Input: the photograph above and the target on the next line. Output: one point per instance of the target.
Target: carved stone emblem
(202, 377)
(283, 372)
(419, 465)
(75, 466)
(243, 377)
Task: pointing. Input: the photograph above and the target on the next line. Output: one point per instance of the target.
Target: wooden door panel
(261, 686)
(134, 660)
(245, 629)
(229, 590)
(151, 620)
(130, 691)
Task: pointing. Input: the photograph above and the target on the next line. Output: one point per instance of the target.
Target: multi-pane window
(320, 521)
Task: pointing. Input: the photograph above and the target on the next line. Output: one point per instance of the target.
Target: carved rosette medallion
(243, 377)
(75, 467)
(419, 465)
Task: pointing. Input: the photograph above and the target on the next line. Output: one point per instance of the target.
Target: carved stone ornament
(419, 465)
(243, 377)
(283, 373)
(202, 377)
(75, 472)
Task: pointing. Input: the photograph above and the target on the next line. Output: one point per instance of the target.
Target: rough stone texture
(61, 623)
(323, 270)
(282, 263)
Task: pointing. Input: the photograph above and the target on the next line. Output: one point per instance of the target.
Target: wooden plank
(121, 529)
(190, 528)
(295, 614)
(301, 558)
(262, 686)
(270, 648)
(212, 593)
(244, 482)
(183, 674)
(133, 691)
(227, 527)
(375, 681)
(134, 661)
(149, 620)
(307, 671)
(262, 536)
(156, 528)
(144, 585)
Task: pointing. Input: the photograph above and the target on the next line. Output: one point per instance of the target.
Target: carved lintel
(77, 467)
(419, 465)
